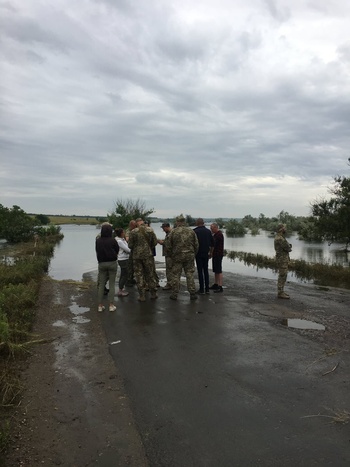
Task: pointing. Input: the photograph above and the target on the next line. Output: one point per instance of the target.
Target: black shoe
(207, 291)
(214, 287)
(219, 289)
(200, 292)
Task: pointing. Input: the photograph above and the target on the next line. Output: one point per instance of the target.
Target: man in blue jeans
(206, 246)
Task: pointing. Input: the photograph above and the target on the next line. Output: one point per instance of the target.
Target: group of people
(183, 248)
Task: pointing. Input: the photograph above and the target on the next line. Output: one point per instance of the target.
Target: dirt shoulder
(74, 410)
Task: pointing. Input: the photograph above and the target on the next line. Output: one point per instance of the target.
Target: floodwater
(75, 255)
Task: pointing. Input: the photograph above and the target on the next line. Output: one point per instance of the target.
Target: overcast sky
(217, 108)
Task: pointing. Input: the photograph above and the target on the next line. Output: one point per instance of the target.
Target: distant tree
(100, 220)
(42, 219)
(332, 216)
(235, 228)
(15, 225)
(190, 220)
(220, 222)
(250, 222)
(126, 210)
(308, 230)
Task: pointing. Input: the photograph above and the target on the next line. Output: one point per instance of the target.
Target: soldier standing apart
(168, 260)
(205, 251)
(142, 240)
(218, 254)
(183, 247)
(282, 248)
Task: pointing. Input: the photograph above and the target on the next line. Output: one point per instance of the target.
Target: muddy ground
(75, 410)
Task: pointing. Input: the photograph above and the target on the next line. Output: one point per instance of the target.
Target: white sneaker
(100, 308)
(112, 307)
(123, 293)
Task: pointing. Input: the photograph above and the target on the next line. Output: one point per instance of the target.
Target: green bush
(23, 270)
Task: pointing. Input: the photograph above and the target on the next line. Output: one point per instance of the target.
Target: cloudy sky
(218, 108)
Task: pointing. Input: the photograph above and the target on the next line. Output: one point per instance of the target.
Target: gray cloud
(222, 110)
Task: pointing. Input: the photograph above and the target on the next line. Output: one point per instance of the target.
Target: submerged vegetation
(332, 275)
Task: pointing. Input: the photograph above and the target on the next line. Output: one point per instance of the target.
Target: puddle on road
(78, 311)
(59, 324)
(80, 320)
(303, 324)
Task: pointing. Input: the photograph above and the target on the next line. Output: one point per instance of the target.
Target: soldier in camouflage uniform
(182, 245)
(282, 248)
(168, 260)
(142, 240)
(131, 281)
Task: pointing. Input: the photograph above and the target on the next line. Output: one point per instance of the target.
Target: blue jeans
(107, 271)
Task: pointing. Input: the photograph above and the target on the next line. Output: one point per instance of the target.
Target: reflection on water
(75, 255)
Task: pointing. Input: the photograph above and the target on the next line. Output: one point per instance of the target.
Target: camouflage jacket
(142, 240)
(282, 247)
(182, 244)
(165, 245)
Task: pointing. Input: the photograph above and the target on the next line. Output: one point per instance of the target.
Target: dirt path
(74, 411)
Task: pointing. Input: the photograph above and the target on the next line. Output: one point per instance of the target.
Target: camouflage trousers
(144, 275)
(282, 265)
(168, 269)
(130, 268)
(175, 275)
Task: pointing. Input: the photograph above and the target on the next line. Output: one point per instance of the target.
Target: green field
(88, 220)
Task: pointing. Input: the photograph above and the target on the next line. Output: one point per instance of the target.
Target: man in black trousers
(206, 246)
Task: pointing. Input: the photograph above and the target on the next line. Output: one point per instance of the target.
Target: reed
(322, 274)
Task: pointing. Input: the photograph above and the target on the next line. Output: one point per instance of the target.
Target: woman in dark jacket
(107, 254)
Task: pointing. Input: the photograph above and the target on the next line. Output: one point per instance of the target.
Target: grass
(22, 268)
(341, 417)
(79, 220)
(322, 274)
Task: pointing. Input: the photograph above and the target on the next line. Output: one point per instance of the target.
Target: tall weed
(322, 274)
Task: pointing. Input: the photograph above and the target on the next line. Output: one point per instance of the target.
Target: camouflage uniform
(282, 248)
(142, 240)
(130, 280)
(168, 259)
(182, 246)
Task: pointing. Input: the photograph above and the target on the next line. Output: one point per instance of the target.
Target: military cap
(280, 227)
(180, 218)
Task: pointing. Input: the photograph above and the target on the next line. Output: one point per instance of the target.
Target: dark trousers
(124, 263)
(203, 272)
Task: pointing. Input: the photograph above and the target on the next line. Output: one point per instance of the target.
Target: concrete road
(222, 382)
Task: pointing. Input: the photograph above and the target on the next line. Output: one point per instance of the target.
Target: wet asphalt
(222, 382)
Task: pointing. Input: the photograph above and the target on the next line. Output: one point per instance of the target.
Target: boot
(154, 294)
(283, 295)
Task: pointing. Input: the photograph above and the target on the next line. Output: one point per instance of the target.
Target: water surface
(75, 255)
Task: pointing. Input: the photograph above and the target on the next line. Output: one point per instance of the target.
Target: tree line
(329, 219)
